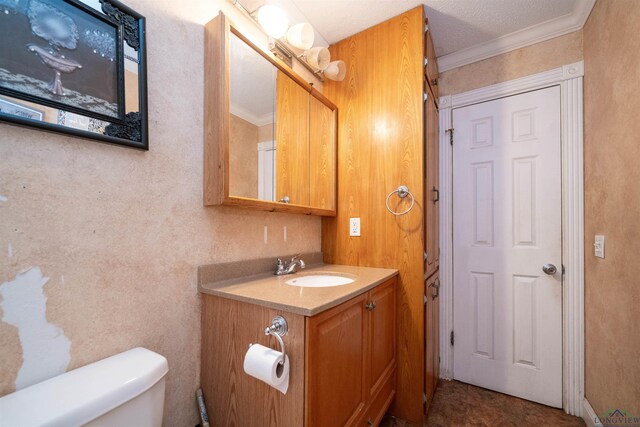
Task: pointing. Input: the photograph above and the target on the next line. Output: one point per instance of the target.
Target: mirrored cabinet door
(252, 104)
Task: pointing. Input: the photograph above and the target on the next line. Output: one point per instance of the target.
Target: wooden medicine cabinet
(269, 136)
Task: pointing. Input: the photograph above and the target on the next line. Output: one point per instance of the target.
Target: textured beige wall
(119, 232)
(243, 158)
(522, 62)
(612, 205)
(266, 133)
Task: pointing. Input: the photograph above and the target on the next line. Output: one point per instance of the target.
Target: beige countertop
(271, 291)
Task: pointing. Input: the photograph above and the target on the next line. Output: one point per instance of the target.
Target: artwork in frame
(20, 110)
(85, 59)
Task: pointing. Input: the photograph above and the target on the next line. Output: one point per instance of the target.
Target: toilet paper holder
(278, 329)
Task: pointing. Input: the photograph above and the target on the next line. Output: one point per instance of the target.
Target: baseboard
(589, 415)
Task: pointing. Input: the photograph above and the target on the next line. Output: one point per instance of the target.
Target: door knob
(549, 269)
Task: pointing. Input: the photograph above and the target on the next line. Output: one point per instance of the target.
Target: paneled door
(507, 245)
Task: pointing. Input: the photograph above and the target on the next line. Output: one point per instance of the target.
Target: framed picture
(20, 110)
(83, 59)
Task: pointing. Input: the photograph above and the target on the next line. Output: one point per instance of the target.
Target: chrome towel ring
(402, 192)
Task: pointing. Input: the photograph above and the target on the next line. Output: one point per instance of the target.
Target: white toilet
(123, 390)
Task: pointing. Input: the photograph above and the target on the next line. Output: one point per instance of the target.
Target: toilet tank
(122, 390)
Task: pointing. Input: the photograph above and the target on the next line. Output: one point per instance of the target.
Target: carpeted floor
(459, 404)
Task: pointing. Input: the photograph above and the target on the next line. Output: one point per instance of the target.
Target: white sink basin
(319, 281)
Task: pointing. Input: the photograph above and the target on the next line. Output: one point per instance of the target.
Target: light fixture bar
(278, 47)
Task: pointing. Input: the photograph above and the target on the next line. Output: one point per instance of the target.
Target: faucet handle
(279, 267)
(295, 257)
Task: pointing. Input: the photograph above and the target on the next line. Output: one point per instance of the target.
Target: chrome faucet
(283, 268)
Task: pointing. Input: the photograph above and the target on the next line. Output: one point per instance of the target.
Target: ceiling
(252, 84)
(487, 27)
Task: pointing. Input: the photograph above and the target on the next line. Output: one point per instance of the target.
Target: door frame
(569, 78)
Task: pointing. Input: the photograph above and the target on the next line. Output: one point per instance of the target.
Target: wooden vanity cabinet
(343, 363)
(351, 360)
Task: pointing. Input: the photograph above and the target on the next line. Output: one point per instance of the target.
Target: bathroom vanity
(341, 344)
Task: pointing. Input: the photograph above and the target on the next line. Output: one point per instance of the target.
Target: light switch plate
(598, 246)
(354, 227)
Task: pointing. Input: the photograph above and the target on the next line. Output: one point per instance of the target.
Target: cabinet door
(432, 345)
(382, 315)
(335, 360)
(432, 193)
(292, 141)
(322, 130)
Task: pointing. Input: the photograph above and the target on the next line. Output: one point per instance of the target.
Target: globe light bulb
(274, 20)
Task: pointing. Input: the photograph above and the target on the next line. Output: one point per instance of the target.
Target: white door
(266, 170)
(507, 226)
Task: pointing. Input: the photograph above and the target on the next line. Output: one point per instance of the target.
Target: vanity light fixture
(286, 43)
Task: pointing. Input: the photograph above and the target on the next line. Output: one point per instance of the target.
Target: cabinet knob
(369, 422)
(370, 305)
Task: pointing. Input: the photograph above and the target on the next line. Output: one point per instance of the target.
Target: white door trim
(569, 78)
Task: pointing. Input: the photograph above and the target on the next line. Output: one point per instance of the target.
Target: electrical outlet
(598, 246)
(354, 227)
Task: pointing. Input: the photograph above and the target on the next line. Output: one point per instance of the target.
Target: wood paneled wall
(381, 146)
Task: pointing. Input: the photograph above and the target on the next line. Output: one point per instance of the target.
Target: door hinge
(450, 135)
(563, 269)
(425, 255)
(452, 338)
(426, 299)
(424, 397)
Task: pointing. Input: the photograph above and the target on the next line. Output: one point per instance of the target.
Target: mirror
(277, 148)
(252, 116)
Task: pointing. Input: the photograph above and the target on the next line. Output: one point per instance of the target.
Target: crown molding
(244, 114)
(508, 88)
(531, 35)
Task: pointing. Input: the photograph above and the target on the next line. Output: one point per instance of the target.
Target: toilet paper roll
(264, 363)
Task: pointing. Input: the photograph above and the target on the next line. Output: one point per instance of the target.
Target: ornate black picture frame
(81, 62)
